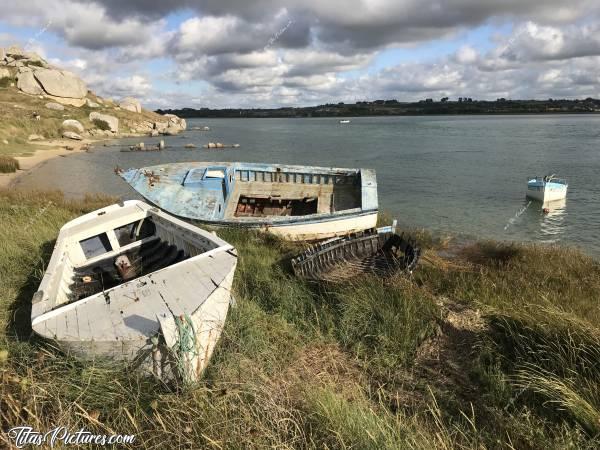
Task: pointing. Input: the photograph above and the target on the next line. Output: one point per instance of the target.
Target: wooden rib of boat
(295, 202)
(378, 251)
(132, 283)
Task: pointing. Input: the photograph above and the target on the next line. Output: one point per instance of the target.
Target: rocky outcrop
(27, 83)
(91, 104)
(55, 106)
(174, 125)
(72, 135)
(112, 123)
(60, 83)
(4, 73)
(73, 124)
(131, 104)
(37, 77)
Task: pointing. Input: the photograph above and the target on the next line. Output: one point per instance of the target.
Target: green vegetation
(17, 112)
(398, 108)
(34, 63)
(8, 164)
(496, 346)
(101, 124)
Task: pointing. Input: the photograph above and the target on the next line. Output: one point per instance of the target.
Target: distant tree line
(463, 105)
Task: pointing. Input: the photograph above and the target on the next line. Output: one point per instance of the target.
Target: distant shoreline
(594, 113)
(385, 108)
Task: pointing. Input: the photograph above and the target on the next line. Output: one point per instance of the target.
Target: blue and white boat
(296, 202)
(547, 188)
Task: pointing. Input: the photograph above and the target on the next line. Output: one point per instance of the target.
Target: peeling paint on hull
(295, 202)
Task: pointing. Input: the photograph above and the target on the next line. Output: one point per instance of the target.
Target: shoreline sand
(56, 148)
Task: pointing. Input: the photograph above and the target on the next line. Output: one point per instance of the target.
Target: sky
(267, 53)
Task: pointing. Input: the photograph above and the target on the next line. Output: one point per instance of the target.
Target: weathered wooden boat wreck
(377, 251)
(295, 202)
(132, 283)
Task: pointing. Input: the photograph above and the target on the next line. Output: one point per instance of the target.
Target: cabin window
(95, 246)
(214, 173)
(135, 231)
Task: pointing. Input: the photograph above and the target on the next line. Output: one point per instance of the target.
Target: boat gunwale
(68, 306)
(145, 210)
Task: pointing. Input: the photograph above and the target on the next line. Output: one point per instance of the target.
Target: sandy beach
(55, 148)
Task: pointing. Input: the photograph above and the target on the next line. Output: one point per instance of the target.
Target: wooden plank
(85, 329)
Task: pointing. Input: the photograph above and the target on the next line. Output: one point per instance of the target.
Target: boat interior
(119, 251)
(278, 193)
(246, 192)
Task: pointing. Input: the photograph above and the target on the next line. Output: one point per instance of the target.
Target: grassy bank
(17, 110)
(496, 346)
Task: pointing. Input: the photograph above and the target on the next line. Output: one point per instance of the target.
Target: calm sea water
(461, 174)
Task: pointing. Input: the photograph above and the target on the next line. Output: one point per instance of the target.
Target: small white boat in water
(547, 188)
(344, 121)
(130, 282)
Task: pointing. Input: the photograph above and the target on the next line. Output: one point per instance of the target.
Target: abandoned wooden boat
(547, 188)
(132, 283)
(295, 202)
(377, 251)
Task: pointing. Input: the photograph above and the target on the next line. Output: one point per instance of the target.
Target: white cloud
(466, 55)
(238, 53)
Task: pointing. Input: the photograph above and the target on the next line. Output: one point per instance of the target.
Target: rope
(186, 345)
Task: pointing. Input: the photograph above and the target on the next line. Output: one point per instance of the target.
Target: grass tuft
(8, 164)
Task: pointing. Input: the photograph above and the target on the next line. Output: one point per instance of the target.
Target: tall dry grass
(304, 365)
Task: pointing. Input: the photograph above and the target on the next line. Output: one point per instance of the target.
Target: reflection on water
(546, 222)
(552, 223)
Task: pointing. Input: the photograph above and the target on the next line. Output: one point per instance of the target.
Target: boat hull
(547, 193)
(163, 314)
(294, 202)
(307, 230)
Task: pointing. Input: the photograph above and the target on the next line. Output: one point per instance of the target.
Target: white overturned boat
(295, 202)
(130, 282)
(547, 188)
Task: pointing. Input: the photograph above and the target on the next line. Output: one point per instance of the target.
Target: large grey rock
(161, 127)
(2, 55)
(112, 121)
(92, 104)
(55, 106)
(33, 57)
(75, 124)
(175, 124)
(78, 102)
(61, 83)
(71, 135)
(14, 50)
(131, 104)
(4, 73)
(28, 84)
